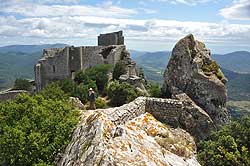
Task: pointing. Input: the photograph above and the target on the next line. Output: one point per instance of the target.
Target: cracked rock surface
(128, 135)
(191, 70)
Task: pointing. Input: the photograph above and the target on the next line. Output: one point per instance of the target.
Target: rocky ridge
(192, 71)
(128, 135)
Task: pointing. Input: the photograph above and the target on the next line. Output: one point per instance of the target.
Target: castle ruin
(61, 63)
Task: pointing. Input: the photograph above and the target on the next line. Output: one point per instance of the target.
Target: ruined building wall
(61, 63)
(115, 38)
(58, 64)
(53, 66)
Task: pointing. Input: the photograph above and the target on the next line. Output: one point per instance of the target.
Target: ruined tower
(61, 63)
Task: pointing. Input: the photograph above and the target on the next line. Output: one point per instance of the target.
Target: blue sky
(148, 25)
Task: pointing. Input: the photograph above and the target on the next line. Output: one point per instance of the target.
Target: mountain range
(17, 61)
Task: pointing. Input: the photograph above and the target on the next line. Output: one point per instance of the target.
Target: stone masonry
(130, 135)
(115, 38)
(61, 63)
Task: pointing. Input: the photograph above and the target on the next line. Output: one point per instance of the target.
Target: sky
(148, 25)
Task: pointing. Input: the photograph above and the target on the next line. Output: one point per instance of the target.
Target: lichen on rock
(128, 135)
(192, 70)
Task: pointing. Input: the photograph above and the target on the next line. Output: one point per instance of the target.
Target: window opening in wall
(73, 74)
(54, 69)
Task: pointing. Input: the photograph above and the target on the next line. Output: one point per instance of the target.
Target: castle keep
(61, 63)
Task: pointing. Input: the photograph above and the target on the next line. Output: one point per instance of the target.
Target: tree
(121, 93)
(228, 146)
(119, 69)
(34, 129)
(22, 84)
(99, 74)
(154, 90)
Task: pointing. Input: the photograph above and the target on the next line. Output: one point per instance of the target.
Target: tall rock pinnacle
(192, 70)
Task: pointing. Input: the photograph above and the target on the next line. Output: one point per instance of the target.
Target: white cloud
(186, 2)
(150, 30)
(29, 9)
(239, 10)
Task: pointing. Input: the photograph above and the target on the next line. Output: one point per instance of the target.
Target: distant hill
(238, 85)
(29, 48)
(17, 61)
(154, 64)
(238, 61)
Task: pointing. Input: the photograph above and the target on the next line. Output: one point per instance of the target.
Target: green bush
(99, 103)
(81, 77)
(99, 74)
(228, 146)
(34, 129)
(154, 90)
(76, 90)
(119, 69)
(22, 84)
(121, 93)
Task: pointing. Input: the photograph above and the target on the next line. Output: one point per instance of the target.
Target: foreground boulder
(192, 71)
(128, 135)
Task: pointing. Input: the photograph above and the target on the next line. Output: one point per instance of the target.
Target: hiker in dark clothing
(91, 98)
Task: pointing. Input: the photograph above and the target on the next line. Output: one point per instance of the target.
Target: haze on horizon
(148, 25)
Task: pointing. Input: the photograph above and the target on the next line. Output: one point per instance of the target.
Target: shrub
(228, 146)
(99, 103)
(22, 84)
(119, 69)
(154, 90)
(121, 93)
(34, 129)
(99, 74)
(73, 89)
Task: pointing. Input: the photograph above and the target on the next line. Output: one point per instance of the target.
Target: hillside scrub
(119, 69)
(34, 129)
(22, 84)
(121, 93)
(228, 146)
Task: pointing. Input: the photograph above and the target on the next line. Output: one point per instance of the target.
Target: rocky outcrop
(128, 135)
(192, 71)
(76, 102)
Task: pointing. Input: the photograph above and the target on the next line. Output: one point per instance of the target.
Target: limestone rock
(128, 135)
(192, 71)
(74, 101)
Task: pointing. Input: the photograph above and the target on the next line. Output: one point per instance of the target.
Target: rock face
(128, 135)
(192, 71)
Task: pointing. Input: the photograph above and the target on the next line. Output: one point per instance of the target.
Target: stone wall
(115, 38)
(61, 63)
(128, 135)
(9, 95)
(58, 64)
(181, 113)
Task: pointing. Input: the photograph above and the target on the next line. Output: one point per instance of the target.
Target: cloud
(30, 9)
(239, 10)
(186, 2)
(143, 30)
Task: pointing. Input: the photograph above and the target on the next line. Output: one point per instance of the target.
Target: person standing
(91, 98)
